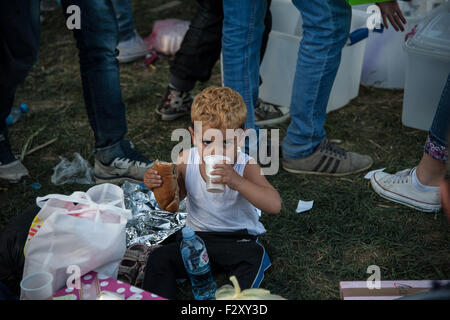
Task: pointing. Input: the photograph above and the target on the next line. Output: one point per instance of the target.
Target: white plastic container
(427, 69)
(384, 62)
(280, 59)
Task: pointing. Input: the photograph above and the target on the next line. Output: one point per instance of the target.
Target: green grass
(349, 228)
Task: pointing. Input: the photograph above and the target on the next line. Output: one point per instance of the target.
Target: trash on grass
(149, 224)
(304, 206)
(151, 58)
(167, 35)
(78, 171)
(35, 186)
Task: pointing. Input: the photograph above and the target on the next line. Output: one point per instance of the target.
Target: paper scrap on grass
(371, 173)
(304, 206)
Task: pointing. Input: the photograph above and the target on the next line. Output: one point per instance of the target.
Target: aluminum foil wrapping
(149, 224)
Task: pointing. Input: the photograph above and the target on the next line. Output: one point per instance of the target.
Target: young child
(227, 222)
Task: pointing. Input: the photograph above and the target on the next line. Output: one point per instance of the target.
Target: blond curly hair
(220, 108)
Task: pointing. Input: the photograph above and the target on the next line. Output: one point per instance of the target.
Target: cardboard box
(389, 290)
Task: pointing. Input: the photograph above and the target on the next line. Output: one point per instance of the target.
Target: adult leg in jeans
(202, 45)
(197, 56)
(97, 39)
(124, 17)
(419, 187)
(431, 169)
(19, 44)
(326, 24)
(131, 46)
(243, 27)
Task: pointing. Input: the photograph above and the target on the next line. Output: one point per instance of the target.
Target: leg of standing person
(19, 44)
(243, 27)
(131, 46)
(326, 24)
(194, 61)
(116, 159)
(418, 187)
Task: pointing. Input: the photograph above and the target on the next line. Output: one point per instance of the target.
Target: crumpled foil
(149, 224)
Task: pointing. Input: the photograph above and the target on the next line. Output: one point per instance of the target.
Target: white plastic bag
(167, 35)
(86, 230)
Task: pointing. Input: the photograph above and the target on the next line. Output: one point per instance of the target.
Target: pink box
(95, 284)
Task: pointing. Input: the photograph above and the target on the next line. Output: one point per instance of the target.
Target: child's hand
(152, 179)
(391, 11)
(227, 176)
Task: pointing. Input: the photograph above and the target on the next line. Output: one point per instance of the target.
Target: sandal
(128, 270)
(135, 251)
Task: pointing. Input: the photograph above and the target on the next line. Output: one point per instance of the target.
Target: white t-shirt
(223, 212)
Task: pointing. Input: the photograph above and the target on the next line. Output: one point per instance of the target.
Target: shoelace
(332, 149)
(133, 156)
(399, 177)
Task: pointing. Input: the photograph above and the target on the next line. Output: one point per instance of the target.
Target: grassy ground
(348, 229)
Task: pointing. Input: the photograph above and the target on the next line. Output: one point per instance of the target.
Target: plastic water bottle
(15, 114)
(196, 261)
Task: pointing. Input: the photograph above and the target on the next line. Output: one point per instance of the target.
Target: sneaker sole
(326, 173)
(397, 198)
(273, 121)
(118, 180)
(127, 59)
(166, 117)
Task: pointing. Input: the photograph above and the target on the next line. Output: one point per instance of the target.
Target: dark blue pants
(96, 40)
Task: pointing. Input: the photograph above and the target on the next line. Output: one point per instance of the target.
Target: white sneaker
(399, 188)
(13, 172)
(132, 49)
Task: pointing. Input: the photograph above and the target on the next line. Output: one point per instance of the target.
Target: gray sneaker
(11, 169)
(127, 165)
(13, 172)
(132, 49)
(330, 160)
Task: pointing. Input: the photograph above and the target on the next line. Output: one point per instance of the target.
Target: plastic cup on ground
(37, 286)
(210, 161)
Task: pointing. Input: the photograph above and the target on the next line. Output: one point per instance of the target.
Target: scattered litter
(304, 206)
(35, 186)
(371, 173)
(167, 35)
(151, 58)
(78, 171)
(41, 146)
(28, 143)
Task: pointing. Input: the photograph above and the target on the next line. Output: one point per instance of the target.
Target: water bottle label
(204, 259)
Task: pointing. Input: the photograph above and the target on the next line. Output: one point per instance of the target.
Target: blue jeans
(243, 28)
(124, 16)
(437, 143)
(326, 24)
(441, 123)
(97, 41)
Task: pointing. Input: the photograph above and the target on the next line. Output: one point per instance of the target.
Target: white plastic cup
(210, 161)
(37, 286)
